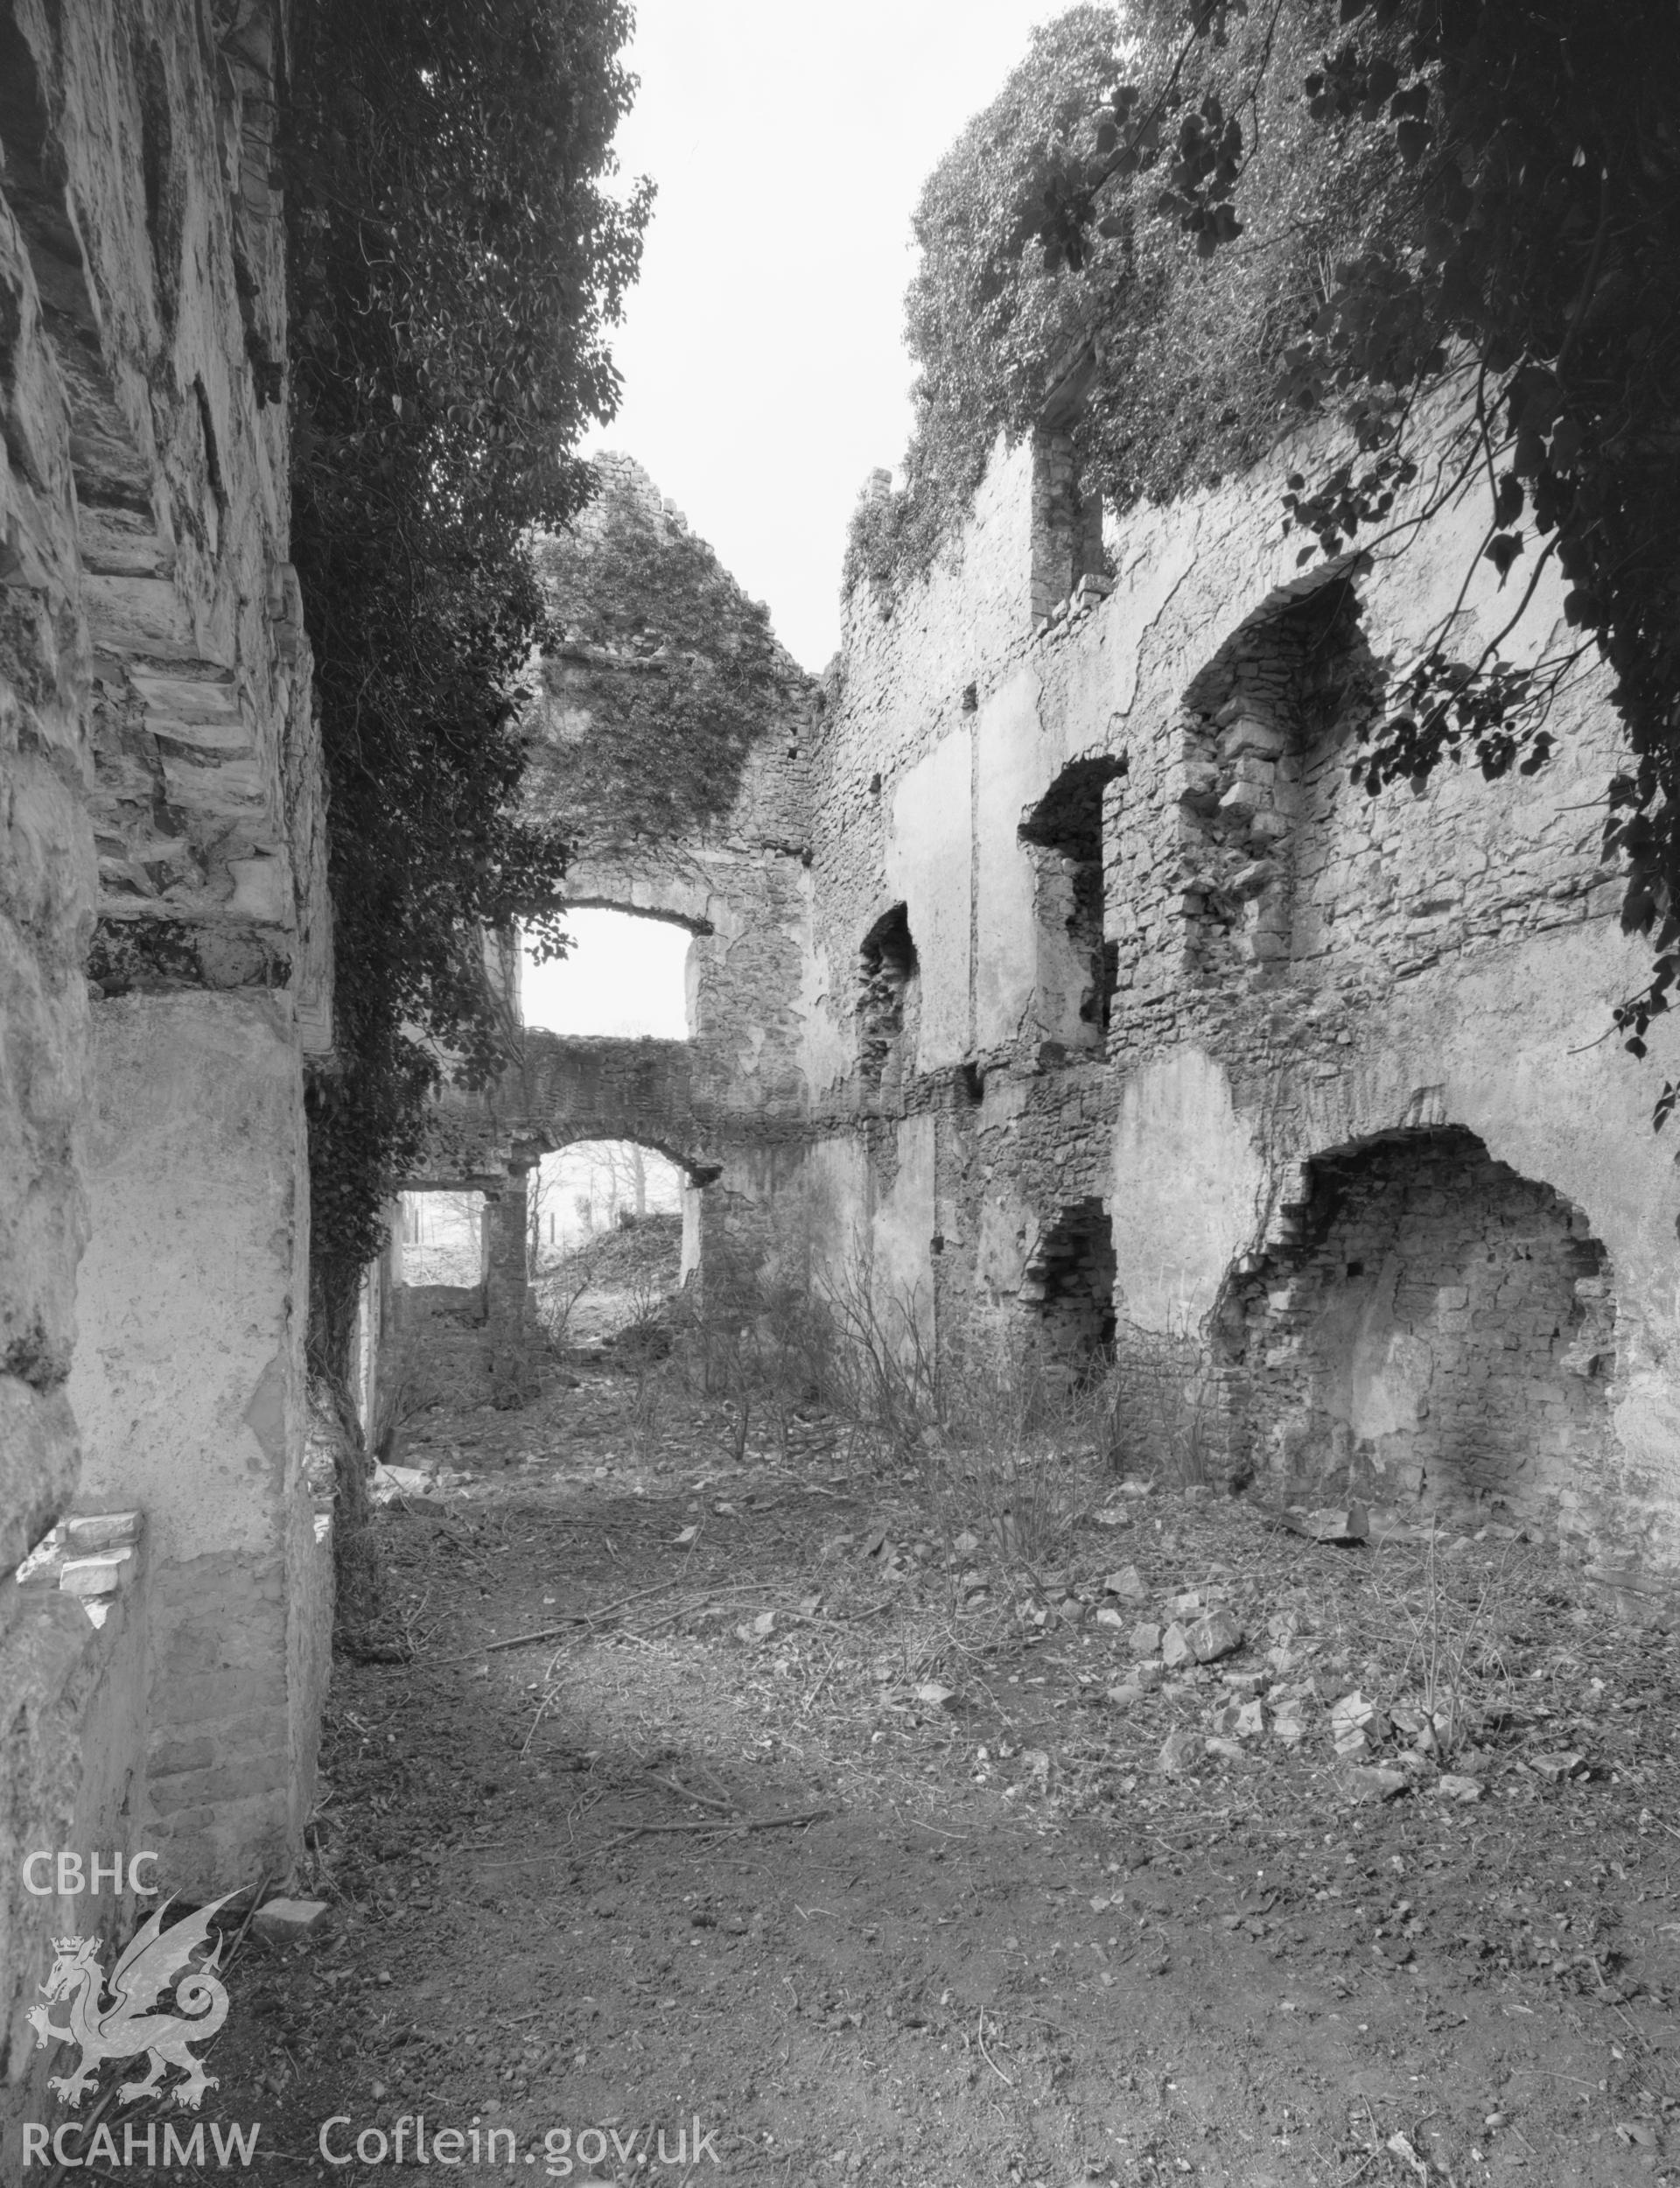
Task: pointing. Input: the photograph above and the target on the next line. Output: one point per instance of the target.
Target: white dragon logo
(154, 1961)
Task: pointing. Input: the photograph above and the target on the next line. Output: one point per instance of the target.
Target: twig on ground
(732, 1824)
(687, 1792)
(550, 1633)
(980, 2038)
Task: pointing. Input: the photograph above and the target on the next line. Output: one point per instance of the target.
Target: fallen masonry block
(1246, 1685)
(1175, 1647)
(1180, 1751)
(1129, 1584)
(100, 1576)
(1215, 1636)
(1353, 1713)
(1361, 1784)
(286, 1921)
(84, 1533)
(1145, 1640)
(1454, 1785)
(1557, 1766)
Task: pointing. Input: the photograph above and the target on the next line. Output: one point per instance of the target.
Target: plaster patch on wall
(930, 869)
(1189, 1192)
(1017, 760)
(827, 1049)
(266, 1416)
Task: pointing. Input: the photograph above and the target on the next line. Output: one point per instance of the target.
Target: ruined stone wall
(672, 742)
(1289, 971)
(163, 925)
(1440, 1321)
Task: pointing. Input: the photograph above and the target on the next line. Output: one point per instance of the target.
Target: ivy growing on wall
(1193, 378)
(458, 253)
(658, 674)
(1248, 215)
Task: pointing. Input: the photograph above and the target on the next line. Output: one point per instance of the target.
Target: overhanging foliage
(456, 257)
(1256, 213)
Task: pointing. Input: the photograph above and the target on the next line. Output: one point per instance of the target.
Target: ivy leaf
(1412, 140)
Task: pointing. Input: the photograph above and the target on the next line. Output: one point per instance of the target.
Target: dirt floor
(744, 1814)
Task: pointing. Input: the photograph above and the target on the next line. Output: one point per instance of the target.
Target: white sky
(625, 976)
(762, 356)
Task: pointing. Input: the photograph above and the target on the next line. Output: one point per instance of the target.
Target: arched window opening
(1069, 1290)
(606, 1223)
(1077, 967)
(888, 1002)
(1435, 1327)
(626, 975)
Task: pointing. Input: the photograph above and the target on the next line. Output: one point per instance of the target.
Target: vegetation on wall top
(658, 678)
(1192, 379)
(1251, 215)
(457, 257)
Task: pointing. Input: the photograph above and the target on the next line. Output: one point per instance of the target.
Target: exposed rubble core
(1069, 1279)
(1440, 1326)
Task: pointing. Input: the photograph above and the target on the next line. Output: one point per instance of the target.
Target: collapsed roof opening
(627, 974)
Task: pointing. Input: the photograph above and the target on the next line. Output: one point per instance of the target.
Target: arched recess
(1263, 721)
(1076, 963)
(1432, 1325)
(1067, 1289)
(889, 1006)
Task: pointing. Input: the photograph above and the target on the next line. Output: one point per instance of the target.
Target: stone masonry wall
(1441, 1328)
(161, 825)
(664, 666)
(1290, 968)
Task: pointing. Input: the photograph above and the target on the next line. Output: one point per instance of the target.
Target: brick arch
(587, 901)
(563, 1089)
(671, 890)
(699, 1169)
(1425, 1323)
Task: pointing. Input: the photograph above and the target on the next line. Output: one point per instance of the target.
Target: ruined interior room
(881, 1380)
